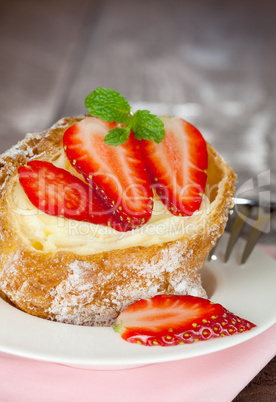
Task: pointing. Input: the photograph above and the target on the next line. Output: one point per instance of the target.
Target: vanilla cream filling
(51, 234)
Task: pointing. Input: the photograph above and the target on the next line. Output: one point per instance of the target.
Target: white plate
(247, 290)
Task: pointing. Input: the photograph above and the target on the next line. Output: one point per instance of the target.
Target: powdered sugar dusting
(26, 149)
(9, 272)
(93, 290)
(88, 299)
(73, 294)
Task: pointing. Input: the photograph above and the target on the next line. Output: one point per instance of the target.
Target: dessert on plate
(95, 215)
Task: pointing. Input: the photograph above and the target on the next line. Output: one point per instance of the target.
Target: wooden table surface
(211, 62)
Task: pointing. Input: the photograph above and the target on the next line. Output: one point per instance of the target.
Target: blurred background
(210, 62)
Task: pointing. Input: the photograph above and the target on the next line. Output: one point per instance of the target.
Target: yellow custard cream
(47, 233)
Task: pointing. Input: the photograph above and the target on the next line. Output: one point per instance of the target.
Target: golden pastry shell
(46, 285)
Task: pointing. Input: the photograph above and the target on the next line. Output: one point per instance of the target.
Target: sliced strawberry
(57, 192)
(173, 320)
(118, 173)
(178, 166)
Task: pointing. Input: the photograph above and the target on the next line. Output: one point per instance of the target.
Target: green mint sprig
(111, 106)
(108, 104)
(117, 136)
(147, 126)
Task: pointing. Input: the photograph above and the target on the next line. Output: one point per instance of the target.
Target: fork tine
(238, 224)
(255, 232)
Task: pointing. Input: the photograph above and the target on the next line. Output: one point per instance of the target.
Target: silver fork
(243, 210)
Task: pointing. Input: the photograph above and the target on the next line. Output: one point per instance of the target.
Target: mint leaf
(117, 136)
(108, 104)
(111, 106)
(147, 126)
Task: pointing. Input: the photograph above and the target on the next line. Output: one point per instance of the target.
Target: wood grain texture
(210, 62)
(38, 42)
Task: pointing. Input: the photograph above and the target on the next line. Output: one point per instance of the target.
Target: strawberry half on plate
(173, 320)
(118, 174)
(178, 166)
(57, 192)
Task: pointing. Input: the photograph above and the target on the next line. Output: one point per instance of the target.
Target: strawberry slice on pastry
(57, 192)
(178, 166)
(117, 173)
